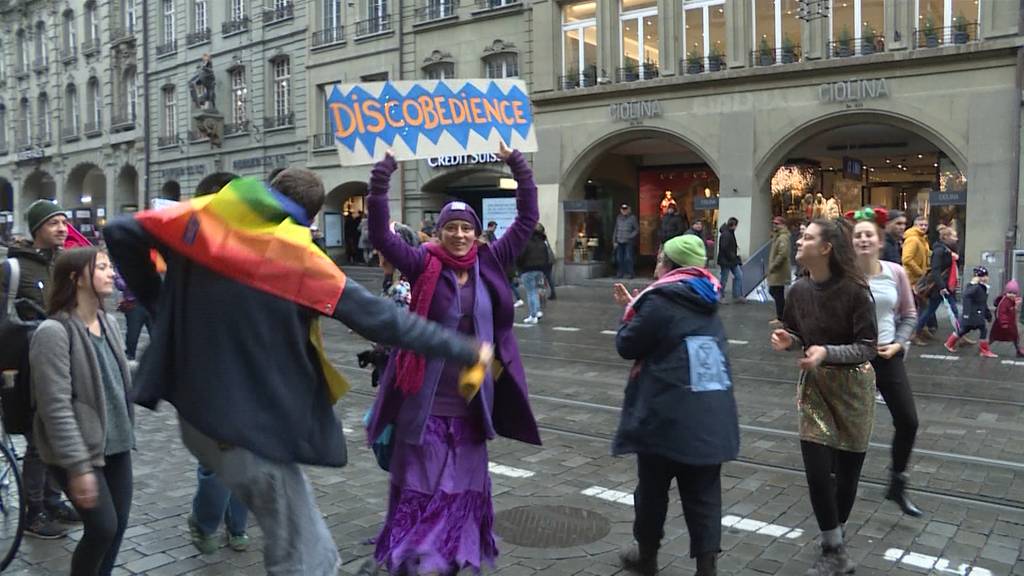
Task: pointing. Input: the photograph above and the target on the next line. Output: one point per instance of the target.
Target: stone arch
(6, 195)
(336, 198)
(86, 185)
(126, 191)
(483, 175)
(39, 184)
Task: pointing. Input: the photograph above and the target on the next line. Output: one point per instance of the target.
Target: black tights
(779, 295)
(891, 380)
(832, 497)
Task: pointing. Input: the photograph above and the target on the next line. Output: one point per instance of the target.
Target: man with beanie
(679, 414)
(49, 228)
(895, 226)
(729, 259)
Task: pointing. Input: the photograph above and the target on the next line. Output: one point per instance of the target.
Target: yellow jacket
(916, 254)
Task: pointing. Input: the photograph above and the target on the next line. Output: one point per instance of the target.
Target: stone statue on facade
(202, 89)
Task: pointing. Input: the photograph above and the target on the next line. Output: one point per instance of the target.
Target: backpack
(15, 337)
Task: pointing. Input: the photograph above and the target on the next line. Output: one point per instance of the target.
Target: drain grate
(551, 526)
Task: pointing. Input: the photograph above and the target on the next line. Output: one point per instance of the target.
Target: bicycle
(12, 497)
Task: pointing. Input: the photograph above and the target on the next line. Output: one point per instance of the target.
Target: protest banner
(429, 118)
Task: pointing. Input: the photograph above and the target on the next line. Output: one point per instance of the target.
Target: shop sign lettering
(179, 171)
(937, 198)
(260, 162)
(445, 161)
(34, 153)
(705, 203)
(853, 90)
(634, 111)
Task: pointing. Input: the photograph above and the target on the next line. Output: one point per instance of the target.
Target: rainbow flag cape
(251, 234)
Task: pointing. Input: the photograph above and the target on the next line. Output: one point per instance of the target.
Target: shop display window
(688, 189)
(588, 228)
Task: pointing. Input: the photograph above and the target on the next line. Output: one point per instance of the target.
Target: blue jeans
(737, 280)
(624, 259)
(934, 301)
(533, 280)
(213, 501)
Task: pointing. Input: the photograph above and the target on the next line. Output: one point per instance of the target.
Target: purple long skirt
(440, 515)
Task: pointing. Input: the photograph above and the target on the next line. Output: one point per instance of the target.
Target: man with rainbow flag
(237, 349)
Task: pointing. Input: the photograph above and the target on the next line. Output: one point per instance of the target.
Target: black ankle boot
(707, 565)
(640, 560)
(898, 494)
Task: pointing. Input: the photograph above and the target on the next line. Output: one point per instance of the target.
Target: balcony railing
(69, 133)
(166, 141)
(328, 36)
(576, 79)
(197, 37)
(68, 54)
(282, 121)
(435, 11)
(496, 4)
(961, 33)
(375, 25)
(699, 65)
(93, 129)
(279, 13)
(235, 26)
(197, 136)
(121, 34)
(124, 121)
(236, 128)
(40, 64)
(91, 46)
(323, 142)
(638, 72)
(167, 48)
(787, 55)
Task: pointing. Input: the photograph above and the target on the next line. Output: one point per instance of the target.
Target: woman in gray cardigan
(83, 423)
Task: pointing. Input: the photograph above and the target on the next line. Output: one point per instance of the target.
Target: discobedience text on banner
(428, 118)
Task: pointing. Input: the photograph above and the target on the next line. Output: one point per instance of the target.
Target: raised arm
(507, 248)
(404, 257)
(129, 247)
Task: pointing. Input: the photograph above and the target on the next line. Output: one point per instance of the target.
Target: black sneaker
(64, 513)
(42, 527)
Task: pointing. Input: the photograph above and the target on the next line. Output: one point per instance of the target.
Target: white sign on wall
(500, 210)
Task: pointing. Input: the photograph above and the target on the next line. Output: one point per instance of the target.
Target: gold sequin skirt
(837, 406)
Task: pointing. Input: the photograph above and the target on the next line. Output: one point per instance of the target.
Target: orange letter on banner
(491, 107)
(387, 114)
(408, 118)
(339, 131)
(439, 106)
(429, 115)
(459, 113)
(371, 108)
(357, 114)
(517, 110)
(504, 112)
(474, 106)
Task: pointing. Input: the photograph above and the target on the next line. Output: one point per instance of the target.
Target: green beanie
(686, 250)
(39, 212)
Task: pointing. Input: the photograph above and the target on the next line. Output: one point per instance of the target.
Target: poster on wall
(500, 210)
(429, 118)
(333, 237)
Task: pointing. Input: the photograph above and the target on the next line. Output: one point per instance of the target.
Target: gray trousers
(296, 541)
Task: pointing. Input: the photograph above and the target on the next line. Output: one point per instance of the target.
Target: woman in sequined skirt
(830, 318)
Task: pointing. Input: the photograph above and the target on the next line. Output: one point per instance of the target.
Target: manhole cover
(550, 526)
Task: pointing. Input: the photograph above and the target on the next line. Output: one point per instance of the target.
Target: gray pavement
(565, 507)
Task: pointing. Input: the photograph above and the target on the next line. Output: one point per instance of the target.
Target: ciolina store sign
(855, 90)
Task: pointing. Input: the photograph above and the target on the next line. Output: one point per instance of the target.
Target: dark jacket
(535, 257)
(681, 411)
(728, 250)
(975, 311)
(237, 362)
(34, 267)
(672, 225)
(893, 249)
(941, 266)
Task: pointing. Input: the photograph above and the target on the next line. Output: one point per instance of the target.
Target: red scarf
(954, 274)
(677, 275)
(411, 367)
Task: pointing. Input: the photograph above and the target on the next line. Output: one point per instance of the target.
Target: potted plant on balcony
(867, 39)
(931, 36)
(694, 65)
(716, 59)
(845, 44)
(788, 50)
(960, 35)
(764, 53)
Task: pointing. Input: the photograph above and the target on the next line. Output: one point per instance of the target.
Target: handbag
(15, 337)
(383, 445)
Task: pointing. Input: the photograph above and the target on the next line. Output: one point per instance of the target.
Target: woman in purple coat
(440, 514)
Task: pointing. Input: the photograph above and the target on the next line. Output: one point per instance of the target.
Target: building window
(95, 103)
(704, 32)
(3, 127)
(168, 21)
(129, 16)
(579, 44)
(332, 14)
(42, 58)
(24, 123)
(377, 10)
(440, 71)
(43, 110)
(3, 63)
(325, 94)
(92, 23)
(72, 110)
(199, 16)
(504, 65)
(239, 95)
(857, 27)
(68, 35)
(131, 93)
(170, 113)
(946, 21)
(638, 33)
(22, 51)
(776, 28)
(237, 10)
(282, 87)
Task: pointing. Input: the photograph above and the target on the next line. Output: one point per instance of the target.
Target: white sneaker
(530, 320)
(518, 304)
(540, 314)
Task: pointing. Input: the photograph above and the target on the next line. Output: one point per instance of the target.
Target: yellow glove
(470, 380)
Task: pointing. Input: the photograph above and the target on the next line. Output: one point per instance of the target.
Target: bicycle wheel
(12, 507)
